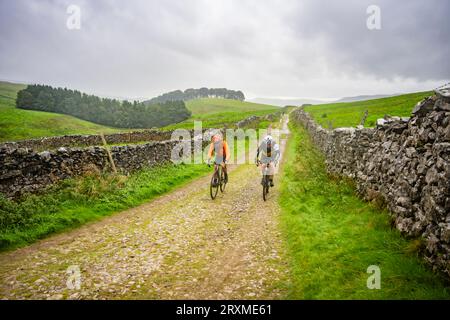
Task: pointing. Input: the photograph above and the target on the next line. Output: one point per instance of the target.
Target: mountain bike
(218, 181)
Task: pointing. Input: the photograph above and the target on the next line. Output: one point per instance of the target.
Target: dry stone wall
(51, 143)
(404, 162)
(256, 119)
(23, 169)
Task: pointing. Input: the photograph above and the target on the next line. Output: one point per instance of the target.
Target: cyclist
(270, 154)
(220, 150)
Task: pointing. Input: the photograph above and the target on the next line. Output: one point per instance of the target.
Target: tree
(109, 112)
(190, 94)
(24, 99)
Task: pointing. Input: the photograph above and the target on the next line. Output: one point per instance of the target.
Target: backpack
(217, 148)
(269, 148)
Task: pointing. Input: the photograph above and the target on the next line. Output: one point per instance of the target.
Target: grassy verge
(349, 114)
(74, 202)
(333, 237)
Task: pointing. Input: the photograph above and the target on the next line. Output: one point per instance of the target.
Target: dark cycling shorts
(266, 160)
(219, 160)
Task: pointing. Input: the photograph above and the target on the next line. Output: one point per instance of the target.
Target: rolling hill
(214, 105)
(18, 124)
(218, 112)
(287, 102)
(349, 114)
(365, 97)
(300, 101)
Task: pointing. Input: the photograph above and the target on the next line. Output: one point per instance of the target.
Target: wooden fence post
(364, 117)
(111, 161)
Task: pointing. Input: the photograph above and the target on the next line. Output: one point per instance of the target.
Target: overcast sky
(315, 49)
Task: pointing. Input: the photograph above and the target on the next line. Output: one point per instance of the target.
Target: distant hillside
(190, 94)
(286, 102)
(301, 101)
(18, 124)
(349, 114)
(365, 97)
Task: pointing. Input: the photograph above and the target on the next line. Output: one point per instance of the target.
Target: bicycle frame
(266, 167)
(218, 180)
(265, 173)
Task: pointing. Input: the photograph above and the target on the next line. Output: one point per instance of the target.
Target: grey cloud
(413, 40)
(271, 48)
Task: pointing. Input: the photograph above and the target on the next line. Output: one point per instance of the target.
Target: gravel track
(182, 245)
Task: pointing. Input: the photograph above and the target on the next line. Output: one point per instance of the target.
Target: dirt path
(182, 245)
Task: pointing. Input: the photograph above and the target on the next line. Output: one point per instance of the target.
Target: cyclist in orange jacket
(220, 150)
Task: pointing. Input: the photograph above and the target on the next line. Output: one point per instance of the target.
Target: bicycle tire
(222, 181)
(265, 188)
(213, 190)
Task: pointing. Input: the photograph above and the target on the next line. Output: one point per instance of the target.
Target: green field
(213, 105)
(349, 114)
(333, 237)
(216, 113)
(218, 120)
(18, 124)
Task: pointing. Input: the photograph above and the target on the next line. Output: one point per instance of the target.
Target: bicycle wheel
(223, 183)
(265, 187)
(215, 183)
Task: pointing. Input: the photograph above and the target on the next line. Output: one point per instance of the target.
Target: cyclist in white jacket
(270, 154)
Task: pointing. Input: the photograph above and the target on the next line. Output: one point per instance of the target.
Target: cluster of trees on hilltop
(190, 94)
(110, 112)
